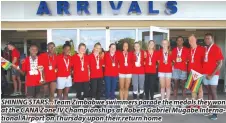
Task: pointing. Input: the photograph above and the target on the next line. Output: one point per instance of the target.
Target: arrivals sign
(83, 7)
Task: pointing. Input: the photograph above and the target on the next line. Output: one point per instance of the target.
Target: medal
(150, 63)
(207, 53)
(179, 53)
(125, 57)
(113, 64)
(150, 58)
(50, 67)
(98, 67)
(179, 59)
(112, 59)
(165, 55)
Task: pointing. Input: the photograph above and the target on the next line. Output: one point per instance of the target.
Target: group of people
(139, 66)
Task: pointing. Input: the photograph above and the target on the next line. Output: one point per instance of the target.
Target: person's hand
(209, 77)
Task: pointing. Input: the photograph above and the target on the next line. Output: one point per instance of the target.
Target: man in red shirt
(180, 55)
(195, 59)
(15, 55)
(212, 64)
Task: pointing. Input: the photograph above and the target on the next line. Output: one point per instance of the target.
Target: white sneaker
(19, 93)
(14, 94)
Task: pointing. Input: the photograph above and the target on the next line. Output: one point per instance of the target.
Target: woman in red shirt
(125, 74)
(64, 81)
(150, 70)
(80, 63)
(165, 69)
(138, 72)
(49, 63)
(96, 62)
(111, 71)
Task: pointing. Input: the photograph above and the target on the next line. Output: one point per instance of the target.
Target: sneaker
(19, 93)
(41, 121)
(14, 94)
(213, 117)
(207, 114)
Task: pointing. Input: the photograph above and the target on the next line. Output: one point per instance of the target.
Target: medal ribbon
(138, 57)
(179, 52)
(165, 55)
(50, 64)
(82, 62)
(112, 58)
(207, 51)
(193, 54)
(125, 56)
(66, 63)
(97, 59)
(150, 56)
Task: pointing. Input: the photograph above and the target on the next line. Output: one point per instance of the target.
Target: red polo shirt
(184, 56)
(166, 68)
(61, 66)
(151, 68)
(140, 69)
(15, 54)
(122, 68)
(94, 72)
(31, 80)
(197, 65)
(215, 54)
(79, 75)
(111, 70)
(50, 74)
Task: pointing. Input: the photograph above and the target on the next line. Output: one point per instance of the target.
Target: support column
(25, 46)
(224, 62)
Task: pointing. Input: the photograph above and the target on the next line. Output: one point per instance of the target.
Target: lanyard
(138, 57)
(208, 50)
(150, 56)
(97, 59)
(165, 55)
(82, 61)
(112, 58)
(179, 52)
(125, 56)
(193, 55)
(66, 63)
(50, 64)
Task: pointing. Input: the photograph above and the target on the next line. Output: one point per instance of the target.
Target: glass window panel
(90, 37)
(116, 35)
(60, 36)
(144, 36)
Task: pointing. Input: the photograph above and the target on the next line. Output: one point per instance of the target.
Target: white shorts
(166, 75)
(63, 82)
(213, 81)
(125, 75)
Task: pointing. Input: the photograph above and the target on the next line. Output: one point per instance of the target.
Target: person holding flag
(15, 55)
(80, 65)
(195, 63)
(180, 55)
(165, 69)
(125, 73)
(212, 63)
(111, 72)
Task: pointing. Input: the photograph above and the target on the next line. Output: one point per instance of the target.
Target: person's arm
(18, 69)
(14, 60)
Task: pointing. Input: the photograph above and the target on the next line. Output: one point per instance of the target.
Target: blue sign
(83, 8)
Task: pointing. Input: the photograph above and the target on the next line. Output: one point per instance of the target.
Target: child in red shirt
(63, 65)
(150, 70)
(138, 72)
(125, 71)
(49, 61)
(31, 67)
(80, 64)
(96, 62)
(180, 56)
(111, 71)
(165, 69)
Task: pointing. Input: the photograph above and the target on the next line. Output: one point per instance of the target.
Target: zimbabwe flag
(5, 63)
(194, 81)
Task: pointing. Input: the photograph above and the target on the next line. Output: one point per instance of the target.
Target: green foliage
(131, 44)
(59, 49)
